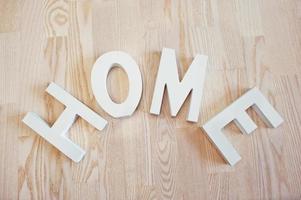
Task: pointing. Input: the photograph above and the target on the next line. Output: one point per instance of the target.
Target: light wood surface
(249, 43)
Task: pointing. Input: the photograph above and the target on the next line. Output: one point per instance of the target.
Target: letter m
(178, 91)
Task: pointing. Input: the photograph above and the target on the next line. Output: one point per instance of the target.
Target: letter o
(99, 74)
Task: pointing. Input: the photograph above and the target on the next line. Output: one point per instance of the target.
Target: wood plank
(248, 42)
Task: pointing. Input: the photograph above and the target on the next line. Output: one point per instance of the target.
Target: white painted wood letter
(178, 90)
(99, 75)
(57, 134)
(237, 112)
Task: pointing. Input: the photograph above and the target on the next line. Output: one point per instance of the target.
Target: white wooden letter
(237, 112)
(178, 91)
(99, 75)
(57, 134)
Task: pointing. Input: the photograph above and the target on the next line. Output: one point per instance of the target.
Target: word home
(178, 91)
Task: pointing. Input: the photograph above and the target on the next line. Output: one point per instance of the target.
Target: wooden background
(249, 43)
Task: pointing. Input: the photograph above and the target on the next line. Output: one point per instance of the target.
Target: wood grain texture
(248, 43)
